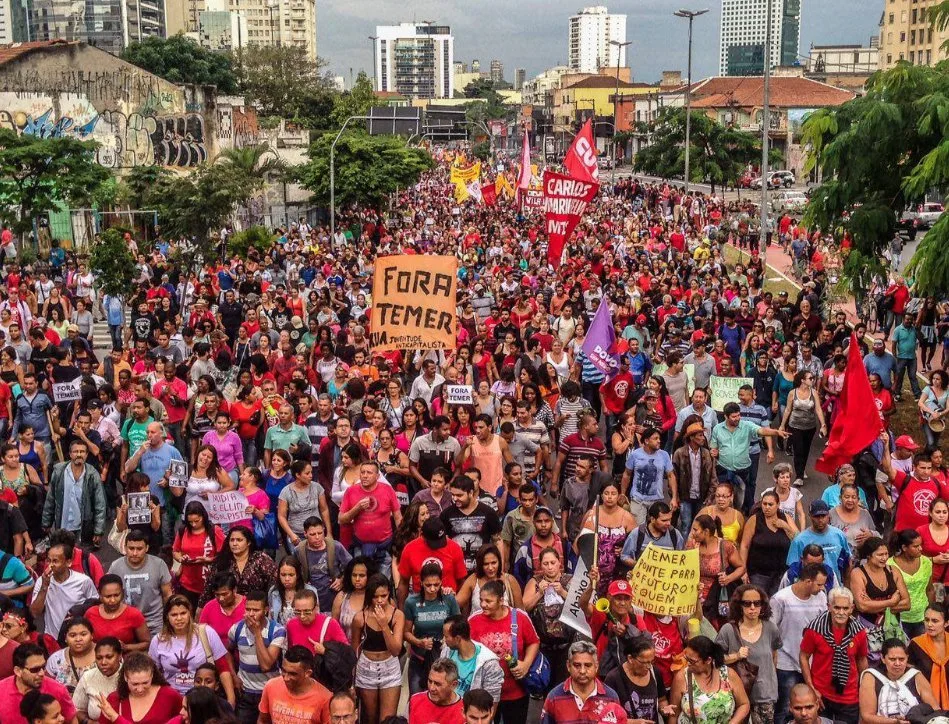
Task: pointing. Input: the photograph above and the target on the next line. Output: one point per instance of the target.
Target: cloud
(532, 34)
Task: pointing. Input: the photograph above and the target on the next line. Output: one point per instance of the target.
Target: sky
(532, 34)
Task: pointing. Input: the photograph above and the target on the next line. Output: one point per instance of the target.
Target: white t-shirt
(179, 665)
(62, 596)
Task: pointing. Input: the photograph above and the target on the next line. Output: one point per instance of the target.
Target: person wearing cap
(637, 330)
(695, 475)
(820, 532)
(917, 490)
(881, 363)
(611, 627)
(432, 545)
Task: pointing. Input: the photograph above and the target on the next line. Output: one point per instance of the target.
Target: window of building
(892, 18)
(914, 16)
(912, 37)
(903, 16)
(889, 59)
(903, 37)
(912, 57)
(929, 57)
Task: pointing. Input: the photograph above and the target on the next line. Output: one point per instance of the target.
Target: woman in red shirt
(195, 546)
(247, 414)
(114, 617)
(143, 696)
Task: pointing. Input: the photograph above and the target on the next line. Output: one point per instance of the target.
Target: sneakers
(798, 483)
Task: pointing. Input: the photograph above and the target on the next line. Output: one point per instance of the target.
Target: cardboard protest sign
(66, 391)
(725, 390)
(572, 613)
(413, 303)
(459, 394)
(178, 474)
(138, 511)
(226, 507)
(666, 582)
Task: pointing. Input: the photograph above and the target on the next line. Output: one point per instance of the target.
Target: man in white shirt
(792, 608)
(59, 589)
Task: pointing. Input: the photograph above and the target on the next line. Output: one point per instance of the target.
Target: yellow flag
(503, 187)
(461, 192)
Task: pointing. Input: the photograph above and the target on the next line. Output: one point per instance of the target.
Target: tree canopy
(283, 82)
(181, 60)
(354, 102)
(38, 174)
(368, 168)
(719, 153)
(877, 154)
(112, 263)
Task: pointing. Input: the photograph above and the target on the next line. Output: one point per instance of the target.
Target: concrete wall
(137, 118)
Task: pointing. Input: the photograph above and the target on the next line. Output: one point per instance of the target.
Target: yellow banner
(666, 582)
(413, 303)
(502, 187)
(461, 192)
(465, 175)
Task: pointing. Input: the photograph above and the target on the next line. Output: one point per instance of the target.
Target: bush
(256, 237)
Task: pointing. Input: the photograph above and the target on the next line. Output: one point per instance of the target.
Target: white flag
(573, 614)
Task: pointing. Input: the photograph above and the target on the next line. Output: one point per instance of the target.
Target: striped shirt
(759, 416)
(248, 668)
(563, 706)
(590, 373)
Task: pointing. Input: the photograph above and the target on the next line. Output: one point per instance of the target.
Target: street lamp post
(765, 136)
(373, 39)
(619, 53)
(691, 15)
(333, 176)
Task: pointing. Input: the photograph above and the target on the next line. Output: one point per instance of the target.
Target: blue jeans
(786, 681)
(115, 334)
(902, 367)
(688, 509)
(751, 481)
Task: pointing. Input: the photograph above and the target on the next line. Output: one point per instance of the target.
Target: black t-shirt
(11, 523)
(471, 531)
(639, 702)
(281, 317)
(764, 386)
(144, 327)
(232, 314)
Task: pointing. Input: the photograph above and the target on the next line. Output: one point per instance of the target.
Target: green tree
(39, 174)
(283, 82)
(368, 168)
(255, 237)
(718, 154)
(181, 60)
(355, 102)
(878, 154)
(112, 263)
(257, 164)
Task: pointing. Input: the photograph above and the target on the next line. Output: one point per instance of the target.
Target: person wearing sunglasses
(751, 636)
(29, 674)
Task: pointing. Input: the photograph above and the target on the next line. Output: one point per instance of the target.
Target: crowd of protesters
(393, 540)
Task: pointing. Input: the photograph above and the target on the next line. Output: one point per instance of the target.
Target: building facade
(906, 33)
(520, 75)
(589, 36)
(415, 60)
(222, 30)
(843, 66)
(497, 71)
(743, 35)
(107, 24)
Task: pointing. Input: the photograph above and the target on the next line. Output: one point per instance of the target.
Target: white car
(793, 202)
(782, 178)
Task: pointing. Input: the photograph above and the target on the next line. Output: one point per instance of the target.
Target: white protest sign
(138, 510)
(66, 391)
(725, 390)
(226, 507)
(459, 395)
(178, 474)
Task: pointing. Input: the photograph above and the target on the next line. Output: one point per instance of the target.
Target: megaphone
(602, 605)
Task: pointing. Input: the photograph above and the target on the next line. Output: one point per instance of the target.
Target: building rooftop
(14, 51)
(606, 81)
(748, 92)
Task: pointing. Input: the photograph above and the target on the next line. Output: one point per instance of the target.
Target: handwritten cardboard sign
(666, 582)
(224, 508)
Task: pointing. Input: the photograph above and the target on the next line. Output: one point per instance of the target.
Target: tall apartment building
(590, 33)
(743, 35)
(497, 71)
(415, 60)
(475, 66)
(906, 33)
(520, 75)
(107, 24)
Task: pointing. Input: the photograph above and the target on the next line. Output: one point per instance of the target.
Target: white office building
(415, 60)
(743, 35)
(588, 45)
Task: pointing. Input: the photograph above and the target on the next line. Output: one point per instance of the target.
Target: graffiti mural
(125, 140)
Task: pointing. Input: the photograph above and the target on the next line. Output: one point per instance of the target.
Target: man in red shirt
(440, 703)
(613, 394)
(834, 653)
(172, 392)
(29, 674)
(432, 546)
(370, 508)
(917, 491)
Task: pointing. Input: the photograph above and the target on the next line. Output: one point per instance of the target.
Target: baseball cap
(878, 343)
(906, 442)
(819, 507)
(72, 328)
(641, 319)
(540, 510)
(620, 588)
(433, 531)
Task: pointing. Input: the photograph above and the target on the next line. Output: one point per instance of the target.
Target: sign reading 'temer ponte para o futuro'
(413, 303)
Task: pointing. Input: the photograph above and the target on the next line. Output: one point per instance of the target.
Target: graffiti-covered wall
(137, 118)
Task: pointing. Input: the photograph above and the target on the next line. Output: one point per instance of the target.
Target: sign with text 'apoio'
(413, 303)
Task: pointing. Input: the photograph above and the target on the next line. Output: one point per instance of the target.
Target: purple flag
(600, 343)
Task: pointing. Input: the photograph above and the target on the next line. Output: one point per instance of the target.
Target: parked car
(782, 178)
(605, 162)
(925, 214)
(792, 202)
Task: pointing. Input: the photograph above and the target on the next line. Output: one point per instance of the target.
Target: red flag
(857, 422)
(580, 160)
(565, 200)
(488, 193)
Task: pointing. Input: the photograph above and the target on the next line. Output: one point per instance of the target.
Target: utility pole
(373, 39)
(691, 15)
(619, 54)
(765, 137)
